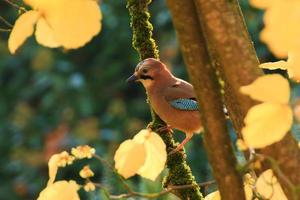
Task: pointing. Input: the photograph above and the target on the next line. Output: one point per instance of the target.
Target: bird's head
(149, 71)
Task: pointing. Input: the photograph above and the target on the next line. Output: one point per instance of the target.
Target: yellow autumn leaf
(58, 160)
(86, 172)
(60, 190)
(213, 196)
(156, 154)
(83, 151)
(266, 124)
(294, 65)
(23, 28)
(33, 3)
(88, 187)
(145, 155)
(67, 23)
(129, 158)
(75, 22)
(248, 191)
(44, 34)
(262, 4)
(268, 186)
(248, 179)
(269, 88)
(52, 167)
(291, 65)
(241, 145)
(275, 65)
(281, 33)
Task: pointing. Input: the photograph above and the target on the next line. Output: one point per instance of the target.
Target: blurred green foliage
(52, 100)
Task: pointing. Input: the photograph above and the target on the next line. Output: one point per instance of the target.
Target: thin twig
(6, 22)
(4, 30)
(154, 195)
(247, 166)
(16, 5)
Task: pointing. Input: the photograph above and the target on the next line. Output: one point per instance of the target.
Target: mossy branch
(179, 172)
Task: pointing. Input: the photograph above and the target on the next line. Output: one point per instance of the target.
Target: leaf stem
(6, 22)
(5, 30)
(169, 189)
(16, 6)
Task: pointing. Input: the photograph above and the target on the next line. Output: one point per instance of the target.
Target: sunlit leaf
(52, 167)
(268, 186)
(156, 154)
(266, 124)
(83, 151)
(60, 190)
(248, 191)
(213, 196)
(275, 65)
(281, 33)
(22, 29)
(72, 23)
(269, 88)
(129, 158)
(33, 3)
(88, 187)
(291, 65)
(294, 65)
(145, 155)
(67, 23)
(58, 160)
(262, 4)
(86, 172)
(241, 145)
(44, 34)
(75, 22)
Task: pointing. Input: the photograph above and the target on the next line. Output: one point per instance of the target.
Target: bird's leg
(181, 145)
(165, 128)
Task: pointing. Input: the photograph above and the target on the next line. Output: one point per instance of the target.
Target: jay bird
(172, 99)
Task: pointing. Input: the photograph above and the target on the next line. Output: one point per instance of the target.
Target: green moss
(142, 39)
(179, 172)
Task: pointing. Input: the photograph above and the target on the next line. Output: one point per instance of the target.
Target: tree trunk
(232, 49)
(208, 91)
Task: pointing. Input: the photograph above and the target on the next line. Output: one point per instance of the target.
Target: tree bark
(208, 91)
(179, 171)
(232, 49)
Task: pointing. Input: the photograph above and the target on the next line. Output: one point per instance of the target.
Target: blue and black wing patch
(185, 104)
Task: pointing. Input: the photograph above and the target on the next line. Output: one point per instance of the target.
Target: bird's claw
(181, 145)
(175, 151)
(165, 128)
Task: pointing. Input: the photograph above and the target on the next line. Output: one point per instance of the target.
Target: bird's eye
(145, 71)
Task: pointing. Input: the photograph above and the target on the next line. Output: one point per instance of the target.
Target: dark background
(52, 100)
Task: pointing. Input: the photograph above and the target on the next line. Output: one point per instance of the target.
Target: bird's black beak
(132, 78)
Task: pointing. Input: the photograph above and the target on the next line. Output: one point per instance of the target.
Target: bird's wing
(185, 104)
(181, 96)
